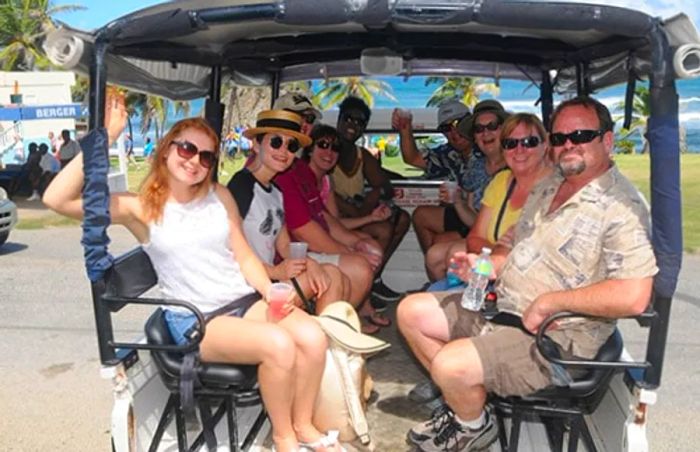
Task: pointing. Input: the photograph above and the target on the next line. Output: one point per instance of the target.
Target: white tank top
(190, 252)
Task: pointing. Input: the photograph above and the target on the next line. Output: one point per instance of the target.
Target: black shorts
(452, 222)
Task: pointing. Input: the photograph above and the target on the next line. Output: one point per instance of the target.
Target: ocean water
(519, 96)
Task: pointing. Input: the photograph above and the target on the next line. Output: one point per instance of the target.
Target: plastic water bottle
(475, 292)
(452, 279)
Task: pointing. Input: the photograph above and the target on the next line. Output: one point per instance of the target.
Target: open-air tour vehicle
(185, 49)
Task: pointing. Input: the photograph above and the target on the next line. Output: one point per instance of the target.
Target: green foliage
(466, 89)
(23, 25)
(337, 89)
(624, 146)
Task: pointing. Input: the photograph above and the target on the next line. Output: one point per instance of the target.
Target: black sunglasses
(493, 125)
(527, 142)
(580, 136)
(325, 144)
(276, 142)
(309, 118)
(187, 150)
(357, 120)
(445, 127)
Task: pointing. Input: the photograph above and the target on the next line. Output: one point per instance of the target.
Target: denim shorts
(182, 323)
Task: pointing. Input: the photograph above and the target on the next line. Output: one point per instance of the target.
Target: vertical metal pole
(579, 80)
(667, 233)
(275, 88)
(546, 96)
(213, 108)
(103, 318)
(98, 83)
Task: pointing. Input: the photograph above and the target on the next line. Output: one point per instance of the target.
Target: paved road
(53, 399)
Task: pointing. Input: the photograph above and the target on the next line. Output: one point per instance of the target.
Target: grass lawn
(635, 167)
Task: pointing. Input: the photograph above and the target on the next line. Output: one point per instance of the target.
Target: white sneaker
(34, 197)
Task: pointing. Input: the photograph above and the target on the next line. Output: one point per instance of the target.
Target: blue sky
(99, 12)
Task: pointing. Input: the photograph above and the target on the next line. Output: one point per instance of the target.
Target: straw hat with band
(342, 325)
(278, 121)
(466, 126)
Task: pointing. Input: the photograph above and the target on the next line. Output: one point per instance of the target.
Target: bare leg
(458, 371)
(435, 261)
(358, 270)
(427, 222)
(235, 340)
(424, 326)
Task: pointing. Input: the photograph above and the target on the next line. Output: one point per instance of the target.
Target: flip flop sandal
(330, 439)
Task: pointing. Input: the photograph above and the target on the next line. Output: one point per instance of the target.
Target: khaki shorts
(510, 360)
(322, 258)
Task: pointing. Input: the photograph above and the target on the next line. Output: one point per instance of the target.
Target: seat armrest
(550, 353)
(191, 346)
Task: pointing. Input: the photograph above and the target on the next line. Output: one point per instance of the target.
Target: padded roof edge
(167, 49)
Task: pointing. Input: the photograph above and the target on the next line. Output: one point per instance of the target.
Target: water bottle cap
(486, 250)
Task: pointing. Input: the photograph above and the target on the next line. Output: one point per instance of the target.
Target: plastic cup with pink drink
(451, 187)
(277, 296)
(297, 250)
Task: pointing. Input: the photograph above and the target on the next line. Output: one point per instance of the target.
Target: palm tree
(23, 25)
(337, 89)
(641, 109)
(243, 104)
(466, 89)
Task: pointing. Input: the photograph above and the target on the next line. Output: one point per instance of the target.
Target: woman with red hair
(191, 229)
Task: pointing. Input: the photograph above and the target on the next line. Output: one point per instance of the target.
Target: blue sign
(30, 112)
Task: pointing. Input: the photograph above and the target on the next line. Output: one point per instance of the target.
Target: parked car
(8, 216)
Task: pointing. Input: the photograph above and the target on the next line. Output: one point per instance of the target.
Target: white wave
(689, 117)
(689, 100)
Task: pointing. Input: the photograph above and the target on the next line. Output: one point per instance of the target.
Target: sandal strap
(327, 440)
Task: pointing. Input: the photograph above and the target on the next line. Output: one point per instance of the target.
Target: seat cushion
(210, 374)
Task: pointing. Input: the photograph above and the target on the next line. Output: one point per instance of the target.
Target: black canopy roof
(168, 49)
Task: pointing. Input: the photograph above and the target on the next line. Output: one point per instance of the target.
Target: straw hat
(280, 121)
(342, 325)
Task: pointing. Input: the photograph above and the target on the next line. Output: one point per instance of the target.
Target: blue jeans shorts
(182, 323)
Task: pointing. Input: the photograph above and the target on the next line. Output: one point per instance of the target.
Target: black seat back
(131, 275)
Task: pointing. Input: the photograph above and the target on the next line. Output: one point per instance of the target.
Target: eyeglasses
(357, 120)
(309, 118)
(187, 150)
(445, 127)
(325, 144)
(576, 137)
(527, 142)
(493, 125)
(292, 146)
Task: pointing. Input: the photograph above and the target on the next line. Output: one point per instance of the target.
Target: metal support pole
(98, 84)
(546, 96)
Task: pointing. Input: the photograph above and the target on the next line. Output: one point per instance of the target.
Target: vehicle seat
(561, 408)
(223, 386)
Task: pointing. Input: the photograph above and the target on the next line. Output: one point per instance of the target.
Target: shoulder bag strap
(502, 211)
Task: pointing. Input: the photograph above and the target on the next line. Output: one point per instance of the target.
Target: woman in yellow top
(524, 146)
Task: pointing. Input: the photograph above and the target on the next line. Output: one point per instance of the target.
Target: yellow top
(347, 185)
(494, 197)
